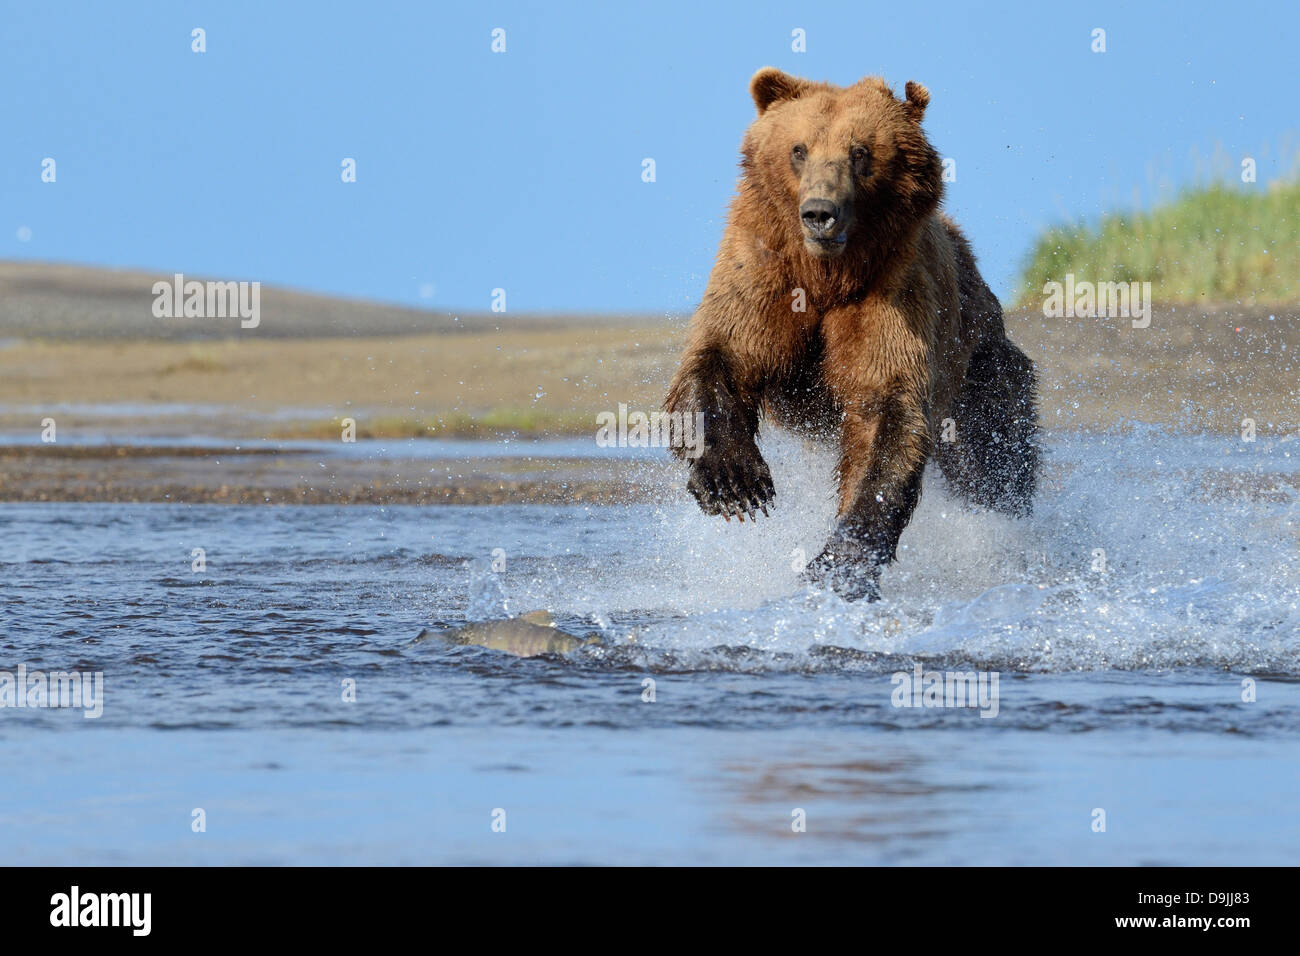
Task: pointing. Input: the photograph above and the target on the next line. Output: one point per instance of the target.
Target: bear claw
(732, 482)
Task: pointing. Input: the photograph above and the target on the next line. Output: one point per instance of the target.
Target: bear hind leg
(989, 452)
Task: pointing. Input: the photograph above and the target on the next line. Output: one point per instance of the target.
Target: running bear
(845, 305)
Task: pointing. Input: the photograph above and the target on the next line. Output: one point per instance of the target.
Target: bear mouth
(826, 246)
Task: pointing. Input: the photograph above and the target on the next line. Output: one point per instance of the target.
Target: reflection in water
(891, 801)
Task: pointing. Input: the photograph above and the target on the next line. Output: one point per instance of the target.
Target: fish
(525, 636)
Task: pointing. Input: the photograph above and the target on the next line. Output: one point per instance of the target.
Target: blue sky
(522, 170)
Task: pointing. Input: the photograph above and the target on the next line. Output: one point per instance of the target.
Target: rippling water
(1158, 583)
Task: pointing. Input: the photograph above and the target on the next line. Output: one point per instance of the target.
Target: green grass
(1214, 244)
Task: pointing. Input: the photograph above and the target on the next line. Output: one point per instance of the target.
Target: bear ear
(769, 85)
(918, 98)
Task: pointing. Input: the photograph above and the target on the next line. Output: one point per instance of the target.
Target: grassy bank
(1216, 244)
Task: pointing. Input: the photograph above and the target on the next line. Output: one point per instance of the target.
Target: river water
(1143, 628)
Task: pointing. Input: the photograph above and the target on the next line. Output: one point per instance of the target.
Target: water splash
(1146, 550)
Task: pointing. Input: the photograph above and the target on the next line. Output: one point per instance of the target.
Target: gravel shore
(81, 347)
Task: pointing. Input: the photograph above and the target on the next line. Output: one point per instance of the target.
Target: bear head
(843, 172)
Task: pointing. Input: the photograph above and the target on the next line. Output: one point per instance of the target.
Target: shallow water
(1120, 684)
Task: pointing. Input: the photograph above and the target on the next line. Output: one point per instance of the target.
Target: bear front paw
(846, 568)
(732, 481)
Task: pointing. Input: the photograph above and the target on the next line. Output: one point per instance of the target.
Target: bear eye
(858, 154)
(799, 153)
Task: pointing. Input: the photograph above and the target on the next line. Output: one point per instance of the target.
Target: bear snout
(825, 225)
(819, 216)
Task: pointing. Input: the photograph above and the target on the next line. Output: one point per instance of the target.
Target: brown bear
(843, 304)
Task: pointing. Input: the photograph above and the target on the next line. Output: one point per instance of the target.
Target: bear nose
(819, 215)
